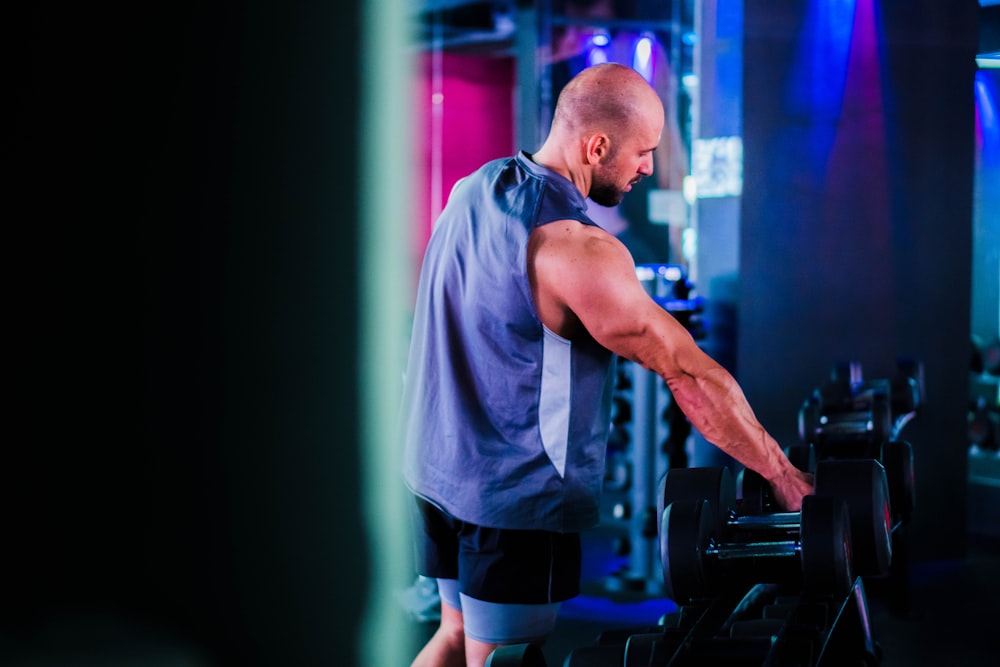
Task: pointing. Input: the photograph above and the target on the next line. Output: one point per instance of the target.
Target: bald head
(607, 123)
(603, 98)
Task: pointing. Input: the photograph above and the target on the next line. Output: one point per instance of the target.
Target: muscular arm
(582, 276)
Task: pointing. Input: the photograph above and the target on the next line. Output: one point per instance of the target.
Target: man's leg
(476, 652)
(493, 564)
(490, 624)
(437, 557)
(448, 645)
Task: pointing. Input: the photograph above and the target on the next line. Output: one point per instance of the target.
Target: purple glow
(858, 162)
(596, 56)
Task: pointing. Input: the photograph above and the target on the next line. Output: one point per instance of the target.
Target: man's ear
(598, 148)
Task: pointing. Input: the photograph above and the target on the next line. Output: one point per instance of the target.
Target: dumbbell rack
(763, 625)
(642, 573)
(848, 415)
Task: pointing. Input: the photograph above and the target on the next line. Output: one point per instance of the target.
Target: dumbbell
(836, 409)
(896, 457)
(852, 428)
(708, 545)
(863, 484)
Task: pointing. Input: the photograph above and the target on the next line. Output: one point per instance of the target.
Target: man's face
(611, 183)
(625, 165)
(605, 188)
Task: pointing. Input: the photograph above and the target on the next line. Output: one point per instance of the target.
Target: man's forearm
(718, 409)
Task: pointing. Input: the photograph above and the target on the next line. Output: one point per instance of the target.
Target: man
(522, 304)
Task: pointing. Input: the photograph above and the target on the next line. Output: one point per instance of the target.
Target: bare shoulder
(580, 268)
(567, 260)
(568, 245)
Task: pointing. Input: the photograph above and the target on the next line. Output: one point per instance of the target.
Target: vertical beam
(383, 261)
(528, 89)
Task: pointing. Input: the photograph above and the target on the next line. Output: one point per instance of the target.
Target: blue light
(986, 109)
(642, 58)
(987, 129)
(644, 612)
(817, 79)
(600, 39)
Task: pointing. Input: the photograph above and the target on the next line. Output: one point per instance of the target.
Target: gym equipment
(708, 543)
(760, 625)
(714, 484)
(849, 417)
(896, 456)
(864, 485)
(847, 412)
(516, 655)
(756, 548)
(897, 459)
(851, 425)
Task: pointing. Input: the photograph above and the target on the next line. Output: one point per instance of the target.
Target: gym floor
(953, 616)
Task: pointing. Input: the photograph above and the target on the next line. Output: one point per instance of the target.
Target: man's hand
(791, 486)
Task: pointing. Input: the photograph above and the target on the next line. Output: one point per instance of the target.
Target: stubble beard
(606, 193)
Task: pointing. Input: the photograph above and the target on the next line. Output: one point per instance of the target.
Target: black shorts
(493, 564)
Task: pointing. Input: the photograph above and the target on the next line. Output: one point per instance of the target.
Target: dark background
(181, 459)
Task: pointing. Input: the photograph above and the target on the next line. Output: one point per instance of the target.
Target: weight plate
(825, 535)
(714, 484)
(897, 458)
(862, 484)
(685, 533)
(755, 493)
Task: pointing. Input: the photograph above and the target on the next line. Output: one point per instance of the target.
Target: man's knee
(452, 628)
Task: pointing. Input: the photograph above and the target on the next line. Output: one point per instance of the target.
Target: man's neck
(554, 160)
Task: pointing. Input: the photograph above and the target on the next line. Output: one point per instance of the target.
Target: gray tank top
(505, 423)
